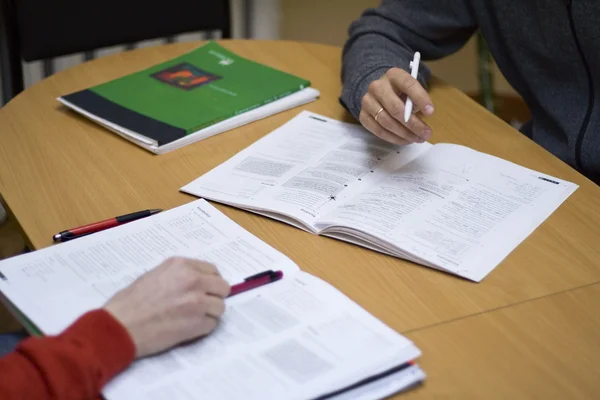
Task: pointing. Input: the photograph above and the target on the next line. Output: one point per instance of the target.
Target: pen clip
(268, 273)
(73, 237)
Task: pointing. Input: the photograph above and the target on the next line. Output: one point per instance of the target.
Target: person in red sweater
(179, 300)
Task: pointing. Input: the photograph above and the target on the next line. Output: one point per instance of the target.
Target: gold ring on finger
(377, 113)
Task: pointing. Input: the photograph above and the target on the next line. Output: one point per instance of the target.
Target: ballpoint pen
(414, 72)
(78, 232)
(255, 281)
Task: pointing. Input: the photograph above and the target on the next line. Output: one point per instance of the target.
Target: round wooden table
(59, 170)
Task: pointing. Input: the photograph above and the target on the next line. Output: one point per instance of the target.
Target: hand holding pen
(177, 301)
(389, 106)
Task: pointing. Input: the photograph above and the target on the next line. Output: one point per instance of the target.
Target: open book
(444, 206)
(297, 338)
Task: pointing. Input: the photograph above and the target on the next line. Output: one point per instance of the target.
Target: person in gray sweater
(549, 51)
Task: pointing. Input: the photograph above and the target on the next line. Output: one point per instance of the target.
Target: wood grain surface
(58, 170)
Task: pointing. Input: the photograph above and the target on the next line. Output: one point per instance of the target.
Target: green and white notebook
(189, 98)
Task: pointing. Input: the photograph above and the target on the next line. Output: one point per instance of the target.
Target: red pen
(102, 225)
(255, 281)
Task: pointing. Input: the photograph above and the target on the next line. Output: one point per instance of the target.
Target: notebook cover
(173, 99)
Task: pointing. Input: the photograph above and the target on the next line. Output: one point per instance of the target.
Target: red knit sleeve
(73, 365)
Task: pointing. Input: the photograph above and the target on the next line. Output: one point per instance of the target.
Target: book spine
(233, 114)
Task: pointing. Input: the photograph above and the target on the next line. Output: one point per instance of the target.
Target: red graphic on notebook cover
(185, 76)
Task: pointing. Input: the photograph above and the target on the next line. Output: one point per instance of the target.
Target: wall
(264, 19)
(326, 21)
(322, 21)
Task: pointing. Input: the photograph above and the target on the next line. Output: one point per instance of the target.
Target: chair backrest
(42, 29)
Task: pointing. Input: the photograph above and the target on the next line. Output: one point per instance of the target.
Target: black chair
(34, 30)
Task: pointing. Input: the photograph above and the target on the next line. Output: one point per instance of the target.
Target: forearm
(73, 365)
(389, 35)
(366, 59)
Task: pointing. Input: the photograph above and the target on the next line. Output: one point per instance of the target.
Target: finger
(383, 93)
(416, 124)
(216, 286)
(375, 128)
(372, 107)
(209, 324)
(397, 128)
(205, 267)
(415, 108)
(400, 129)
(386, 95)
(403, 82)
(215, 307)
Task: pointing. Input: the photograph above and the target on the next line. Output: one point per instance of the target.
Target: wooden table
(512, 333)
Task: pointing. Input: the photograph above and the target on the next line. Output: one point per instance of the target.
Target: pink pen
(255, 281)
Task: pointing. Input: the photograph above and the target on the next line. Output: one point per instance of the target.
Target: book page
(296, 338)
(455, 208)
(303, 169)
(54, 286)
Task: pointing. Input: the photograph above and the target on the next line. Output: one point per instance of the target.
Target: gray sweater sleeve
(388, 36)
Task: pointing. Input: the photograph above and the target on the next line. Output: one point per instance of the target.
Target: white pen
(414, 72)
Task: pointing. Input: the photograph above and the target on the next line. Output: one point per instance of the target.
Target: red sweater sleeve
(74, 365)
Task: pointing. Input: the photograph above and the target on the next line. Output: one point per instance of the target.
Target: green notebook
(188, 94)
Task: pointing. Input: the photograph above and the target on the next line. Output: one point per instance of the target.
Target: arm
(385, 39)
(180, 300)
(73, 365)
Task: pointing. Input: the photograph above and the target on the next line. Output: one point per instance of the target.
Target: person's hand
(179, 300)
(382, 109)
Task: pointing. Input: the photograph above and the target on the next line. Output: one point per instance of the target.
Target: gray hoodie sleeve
(388, 36)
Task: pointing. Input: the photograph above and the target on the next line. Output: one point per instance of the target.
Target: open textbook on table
(297, 338)
(444, 206)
